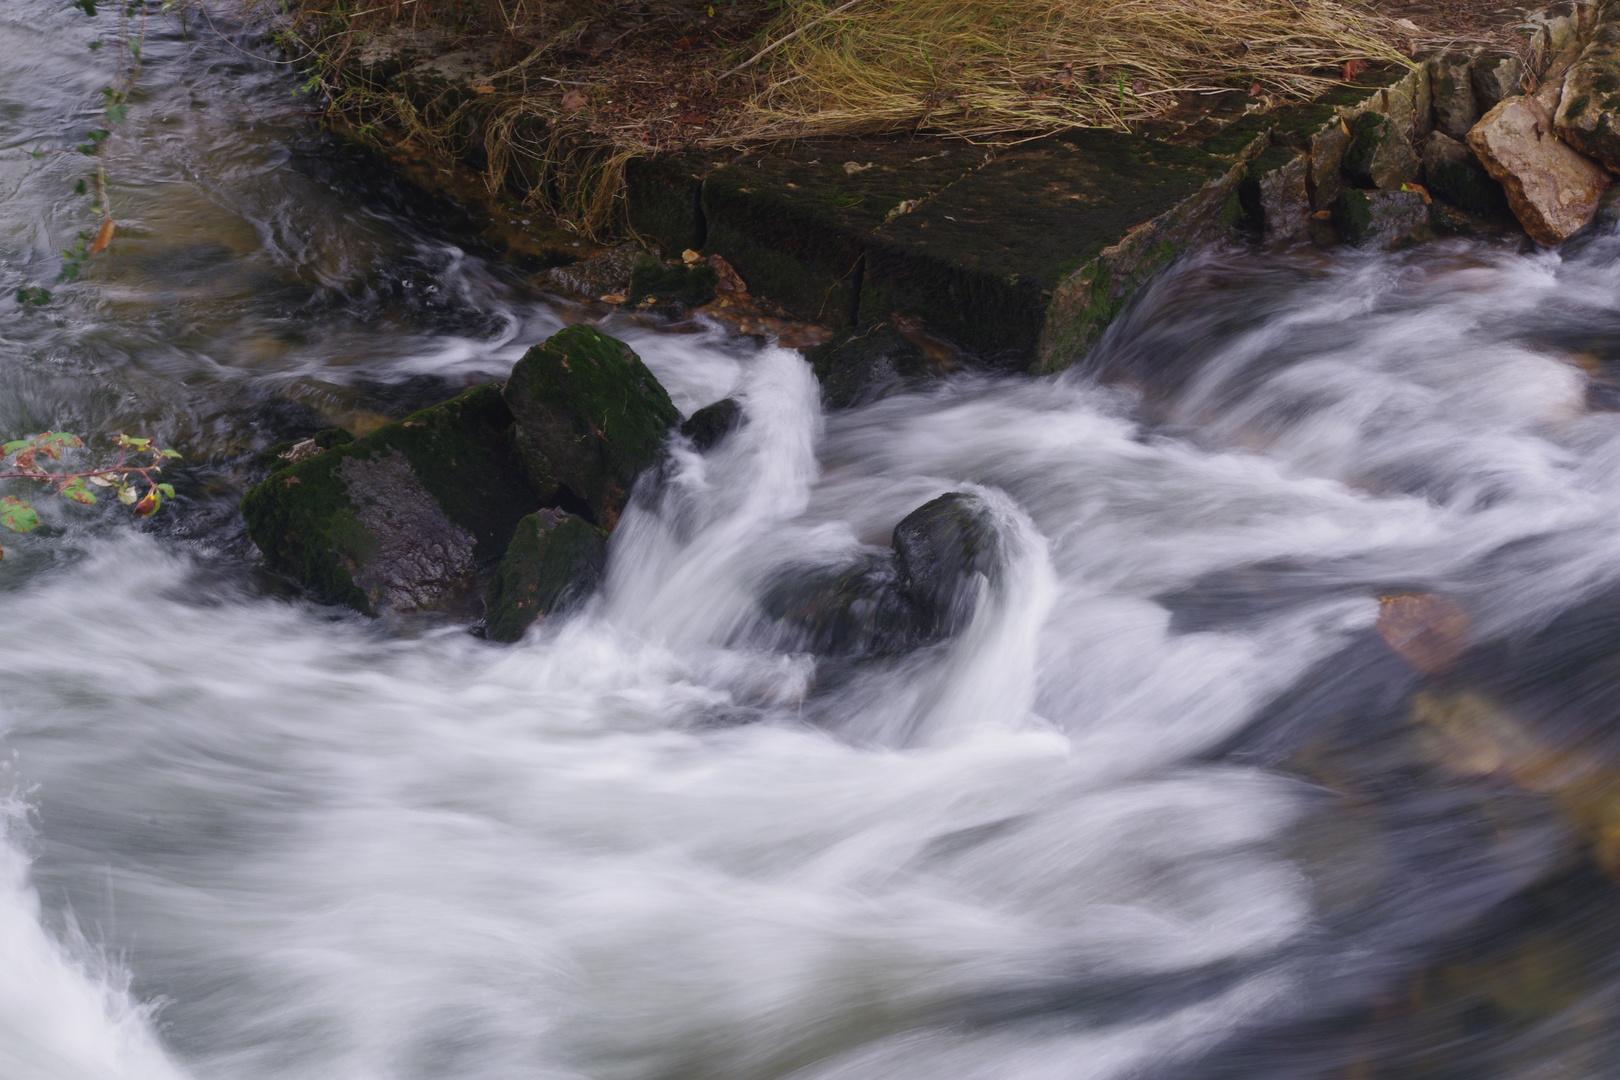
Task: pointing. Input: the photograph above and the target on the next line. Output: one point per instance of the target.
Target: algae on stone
(794, 221)
(589, 415)
(554, 561)
(1588, 116)
(342, 522)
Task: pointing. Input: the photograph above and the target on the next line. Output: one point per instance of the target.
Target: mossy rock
(1379, 155)
(399, 520)
(793, 220)
(709, 426)
(1386, 219)
(858, 365)
(980, 262)
(589, 416)
(1589, 111)
(672, 283)
(663, 197)
(554, 561)
(1276, 194)
(284, 455)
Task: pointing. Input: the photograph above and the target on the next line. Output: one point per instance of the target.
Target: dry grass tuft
(981, 68)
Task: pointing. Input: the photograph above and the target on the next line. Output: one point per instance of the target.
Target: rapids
(1159, 811)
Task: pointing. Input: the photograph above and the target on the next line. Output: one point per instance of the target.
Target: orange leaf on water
(104, 237)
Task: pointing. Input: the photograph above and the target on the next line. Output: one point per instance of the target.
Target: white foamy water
(643, 843)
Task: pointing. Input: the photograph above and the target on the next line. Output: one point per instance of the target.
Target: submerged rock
(1588, 116)
(554, 561)
(709, 426)
(925, 589)
(400, 520)
(1385, 219)
(856, 365)
(1452, 173)
(589, 418)
(1552, 190)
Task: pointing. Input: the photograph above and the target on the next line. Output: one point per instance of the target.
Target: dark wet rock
(672, 283)
(1379, 155)
(1552, 190)
(922, 591)
(554, 562)
(709, 426)
(858, 365)
(1456, 109)
(1588, 116)
(1451, 172)
(400, 520)
(598, 276)
(794, 220)
(1028, 259)
(589, 417)
(1276, 193)
(941, 550)
(1383, 219)
(1495, 79)
(663, 197)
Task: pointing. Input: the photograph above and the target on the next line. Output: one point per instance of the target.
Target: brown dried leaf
(573, 101)
(104, 237)
(730, 281)
(1352, 69)
(1428, 631)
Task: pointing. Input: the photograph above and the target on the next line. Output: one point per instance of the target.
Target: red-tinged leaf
(17, 515)
(149, 504)
(60, 438)
(75, 491)
(1353, 69)
(25, 460)
(1256, 90)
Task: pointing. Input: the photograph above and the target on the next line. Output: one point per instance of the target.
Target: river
(1169, 806)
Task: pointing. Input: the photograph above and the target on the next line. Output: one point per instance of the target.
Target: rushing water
(1168, 807)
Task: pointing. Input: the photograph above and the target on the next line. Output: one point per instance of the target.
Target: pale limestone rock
(1552, 189)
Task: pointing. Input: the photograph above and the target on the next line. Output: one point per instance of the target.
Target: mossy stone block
(554, 562)
(663, 197)
(689, 286)
(401, 519)
(1451, 172)
(793, 221)
(980, 262)
(1276, 193)
(589, 415)
(1379, 155)
(1589, 112)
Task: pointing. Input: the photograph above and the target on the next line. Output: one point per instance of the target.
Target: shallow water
(1168, 806)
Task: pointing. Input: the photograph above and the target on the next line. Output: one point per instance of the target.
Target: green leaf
(98, 134)
(168, 453)
(17, 515)
(117, 113)
(126, 494)
(75, 491)
(87, 6)
(167, 489)
(33, 294)
(94, 45)
(60, 438)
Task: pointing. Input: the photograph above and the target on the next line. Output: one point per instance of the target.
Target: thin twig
(784, 40)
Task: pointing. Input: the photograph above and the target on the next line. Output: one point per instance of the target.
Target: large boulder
(925, 589)
(589, 418)
(1588, 116)
(401, 520)
(1552, 190)
(553, 563)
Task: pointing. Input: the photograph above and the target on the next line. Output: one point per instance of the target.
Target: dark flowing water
(1168, 807)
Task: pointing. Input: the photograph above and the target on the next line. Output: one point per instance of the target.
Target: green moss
(302, 518)
(590, 414)
(1578, 105)
(793, 221)
(980, 261)
(663, 197)
(270, 459)
(555, 560)
(692, 286)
